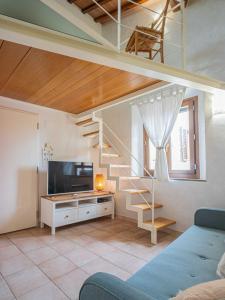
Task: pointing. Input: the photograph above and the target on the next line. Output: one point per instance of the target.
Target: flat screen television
(69, 177)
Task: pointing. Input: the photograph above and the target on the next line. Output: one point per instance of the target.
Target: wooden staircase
(136, 200)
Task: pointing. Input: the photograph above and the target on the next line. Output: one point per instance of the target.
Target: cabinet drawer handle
(66, 217)
(106, 208)
(88, 212)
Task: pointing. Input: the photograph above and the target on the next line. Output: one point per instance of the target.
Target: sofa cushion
(221, 267)
(191, 259)
(212, 290)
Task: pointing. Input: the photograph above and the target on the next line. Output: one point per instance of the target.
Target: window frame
(194, 173)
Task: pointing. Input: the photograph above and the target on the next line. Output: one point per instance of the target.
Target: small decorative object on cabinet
(99, 182)
(61, 210)
(47, 152)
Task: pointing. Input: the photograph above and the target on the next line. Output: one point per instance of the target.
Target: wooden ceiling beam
(94, 6)
(177, 5)
(71, 1)
(126, 7)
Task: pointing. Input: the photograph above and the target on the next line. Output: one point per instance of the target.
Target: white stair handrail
(127, 149)
(135, 173)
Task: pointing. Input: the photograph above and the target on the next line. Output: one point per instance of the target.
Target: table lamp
(99, 182)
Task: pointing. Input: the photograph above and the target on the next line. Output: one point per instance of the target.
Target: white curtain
(159, 112)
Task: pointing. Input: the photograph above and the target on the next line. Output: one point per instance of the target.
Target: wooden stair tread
(91, 134)
(85, 122)
(136, 191)
(104, 146)
(145, 206)
(160, 222)
(110, 155)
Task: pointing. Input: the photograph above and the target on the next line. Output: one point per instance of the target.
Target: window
(182, 148)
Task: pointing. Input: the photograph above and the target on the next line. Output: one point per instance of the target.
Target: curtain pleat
(159, 112)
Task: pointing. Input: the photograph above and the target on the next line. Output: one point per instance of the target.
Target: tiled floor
(35, 265)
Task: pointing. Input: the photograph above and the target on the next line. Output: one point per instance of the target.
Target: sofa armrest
(210, 217)
(103, 286)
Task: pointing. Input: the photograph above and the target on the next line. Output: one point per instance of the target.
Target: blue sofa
(189, 260)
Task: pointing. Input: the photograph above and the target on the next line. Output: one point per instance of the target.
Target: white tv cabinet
(61, 210)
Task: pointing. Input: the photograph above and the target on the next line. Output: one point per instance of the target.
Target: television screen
(69, 177)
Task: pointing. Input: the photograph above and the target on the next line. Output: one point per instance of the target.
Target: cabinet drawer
(66, 216)
(88, 212)
(104, 209)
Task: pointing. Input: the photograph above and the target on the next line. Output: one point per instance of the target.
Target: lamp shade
(99, 182)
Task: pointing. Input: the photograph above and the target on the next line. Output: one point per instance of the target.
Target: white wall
(182, 198)
(205, 32)
(56, 128)
(119, 120)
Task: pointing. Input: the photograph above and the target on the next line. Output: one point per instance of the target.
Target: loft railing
(120, 25)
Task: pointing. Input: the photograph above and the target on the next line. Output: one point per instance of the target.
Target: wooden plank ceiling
(61, 82)
(88, 6)
(91, 8)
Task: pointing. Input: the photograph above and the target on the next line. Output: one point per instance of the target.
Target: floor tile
(138, 250)
(26, 244)
(27, 280)
(101, 265)
(115, 228)
(82, 239)
(125, 261)
(14, 264)
(115, 241)
(29, 258)
(82, 228)
(63, 247)
(80, 256)
(51, 239)
(103, 222)
(72, 282)
(5, 293)
(41, 255)
(100, 248)
(46, 292)
(8, 252)
(98, 234)
(4, 242)
(57, 267)
(129, 235)
(64, 232)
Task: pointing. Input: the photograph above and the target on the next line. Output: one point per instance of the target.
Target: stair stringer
(140, 219)
(128, 197)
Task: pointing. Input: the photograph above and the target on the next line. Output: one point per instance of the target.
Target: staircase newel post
(153, 201)
(118, 24)
(183, 33)
(100, 136)
(153, 230)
